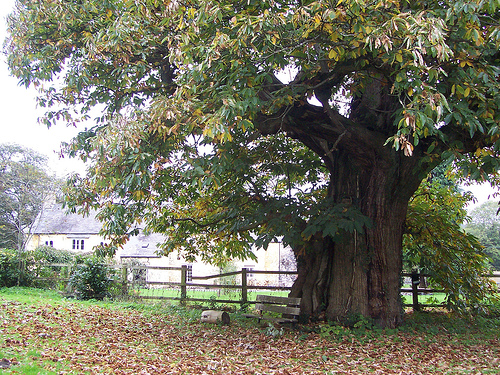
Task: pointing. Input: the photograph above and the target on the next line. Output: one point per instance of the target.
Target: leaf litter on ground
(73, 338)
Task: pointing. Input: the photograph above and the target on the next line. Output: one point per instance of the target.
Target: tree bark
(359, 275)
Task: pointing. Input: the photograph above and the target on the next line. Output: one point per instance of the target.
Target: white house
(54, 227)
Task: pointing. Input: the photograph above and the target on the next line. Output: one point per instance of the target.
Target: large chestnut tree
(230, 123)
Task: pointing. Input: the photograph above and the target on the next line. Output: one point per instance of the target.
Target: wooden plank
(273, 272)
(278, 300)
(271, 318)
(152, 268)
(268, 287)
(216, 276)
(278, 309)
(252, 316)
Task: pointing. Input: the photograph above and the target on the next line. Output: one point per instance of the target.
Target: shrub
(49, 254)
(37, 267)
(10, 271)
(92, 279)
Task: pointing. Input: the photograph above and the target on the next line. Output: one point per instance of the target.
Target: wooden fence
(184, 285)
(128, 282)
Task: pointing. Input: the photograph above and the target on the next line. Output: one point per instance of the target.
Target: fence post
(415, 280)
(124, 280)
(244, 289)
(183, 283)
(69, 288)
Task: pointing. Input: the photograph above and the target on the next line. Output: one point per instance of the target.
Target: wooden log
(214, 316)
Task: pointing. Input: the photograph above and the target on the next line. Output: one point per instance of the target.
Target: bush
(37, 267)
(92, 279)
(10, 271)
(49, 254)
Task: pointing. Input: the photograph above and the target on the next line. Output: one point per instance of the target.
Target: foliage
(11, 274)
(204, 73)
(206, 140)
(92, 279)
(24, 185)
(484, 224)
(36, 266)
(436, 244)
(48, 254)
(32, 265)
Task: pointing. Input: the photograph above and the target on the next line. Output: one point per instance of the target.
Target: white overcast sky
(18, 120)
(19, 114)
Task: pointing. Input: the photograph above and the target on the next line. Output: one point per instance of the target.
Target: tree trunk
(360, 274)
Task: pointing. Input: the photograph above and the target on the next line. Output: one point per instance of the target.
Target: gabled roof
(54, 220)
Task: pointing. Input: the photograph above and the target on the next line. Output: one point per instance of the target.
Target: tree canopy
(234, 122)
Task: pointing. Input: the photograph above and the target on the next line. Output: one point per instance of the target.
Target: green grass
(431, 298)
(28, 295)
(203, 294)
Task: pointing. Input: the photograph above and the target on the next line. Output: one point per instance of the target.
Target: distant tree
(24, 186)
(485, 225)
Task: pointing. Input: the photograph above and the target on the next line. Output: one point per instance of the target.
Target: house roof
(54, 220)
(141, 246)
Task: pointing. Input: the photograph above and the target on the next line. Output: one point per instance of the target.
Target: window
(49, 243)
(250, 275)
(78, 244)
(189, 273)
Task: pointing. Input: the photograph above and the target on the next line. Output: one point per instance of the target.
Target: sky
(19, 121)
(19, 115)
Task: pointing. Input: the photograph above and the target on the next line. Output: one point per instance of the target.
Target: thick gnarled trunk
(360, 274)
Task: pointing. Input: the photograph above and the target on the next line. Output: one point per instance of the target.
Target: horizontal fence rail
(128, 280)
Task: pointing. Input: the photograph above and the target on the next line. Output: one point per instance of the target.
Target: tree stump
(214, 316)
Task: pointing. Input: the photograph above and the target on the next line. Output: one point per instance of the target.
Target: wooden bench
(289, 308)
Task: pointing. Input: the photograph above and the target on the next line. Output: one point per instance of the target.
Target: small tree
(436, 243)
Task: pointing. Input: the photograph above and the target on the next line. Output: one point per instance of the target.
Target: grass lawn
(42, 333)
